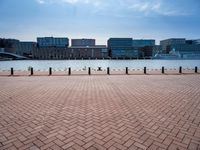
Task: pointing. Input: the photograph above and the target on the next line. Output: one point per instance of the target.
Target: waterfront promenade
(100, 112)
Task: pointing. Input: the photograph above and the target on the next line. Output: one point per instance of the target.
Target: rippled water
(80, 64)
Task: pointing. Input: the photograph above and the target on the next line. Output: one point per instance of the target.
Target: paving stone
(100, 112)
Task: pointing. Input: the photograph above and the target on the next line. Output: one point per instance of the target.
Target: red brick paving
(100, 112)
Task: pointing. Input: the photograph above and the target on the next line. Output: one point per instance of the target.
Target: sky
(100, 19)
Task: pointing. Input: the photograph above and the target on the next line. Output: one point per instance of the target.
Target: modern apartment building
(51, 48)
(173, 41)
(25, 48)
(144, 47)
(83, 42)
(91, 52)
(52, 42)
(47, 53)
(143, 42)
(9, 45)
(121, 48)
(196, 42)
(56, 53)
(186, 50)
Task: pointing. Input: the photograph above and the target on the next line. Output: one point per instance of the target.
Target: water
(94, 64)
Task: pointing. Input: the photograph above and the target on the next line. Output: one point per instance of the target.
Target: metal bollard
(163, 70)
(180, 69)
(145, 70)
(126, 70)
(69, 71)
(196, 70)
(89, 71)
(11, 71)
(50, 71)
(31, 71)
(108, 70)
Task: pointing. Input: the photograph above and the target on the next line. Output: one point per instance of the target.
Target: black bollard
(108, 70)
(180, 69)
(31, 71)
(145, 70)
(196, 70)
(163, 70)
(11, 71)
(89, 71)
(69, 71)
(50, 71)
(126, 70)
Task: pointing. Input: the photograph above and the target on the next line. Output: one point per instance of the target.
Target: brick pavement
(100, 112)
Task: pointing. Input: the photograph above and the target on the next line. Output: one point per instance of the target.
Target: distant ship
(166, 56)
(172, 55)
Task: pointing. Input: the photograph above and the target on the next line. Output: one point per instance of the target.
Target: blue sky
(100, 19)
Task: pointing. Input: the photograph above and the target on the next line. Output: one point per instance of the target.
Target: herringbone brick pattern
(100, 112)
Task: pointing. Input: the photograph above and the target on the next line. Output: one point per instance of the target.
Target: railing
(99, 71)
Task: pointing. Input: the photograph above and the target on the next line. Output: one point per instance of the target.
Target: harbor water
(94, 64)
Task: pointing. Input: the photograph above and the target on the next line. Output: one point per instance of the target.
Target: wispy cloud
(72, 2)
(100, 18)
(144, 7)
(159, 7)
(41, 1)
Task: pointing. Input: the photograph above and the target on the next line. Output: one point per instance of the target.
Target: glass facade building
(173, 41)
(143, 42)
(25, 48)
(185, 48)
(121, 48)
(52, 42)
(83, 42)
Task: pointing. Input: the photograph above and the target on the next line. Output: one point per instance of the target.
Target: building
(196, 42)
(52, 42)
(83, 42)
(58, 53)
(157, 49)
(18, 47)
(47, 53)
(121, 48)
(144, 47)
(186, 50)
(146, 52)
(57, 48)
(90, 52)
(173, 41)
(9, 45)
(25, 48)
(51, 48)
(143, 42)
(2, 49)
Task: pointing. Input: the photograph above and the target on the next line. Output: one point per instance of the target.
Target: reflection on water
(95, 64)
